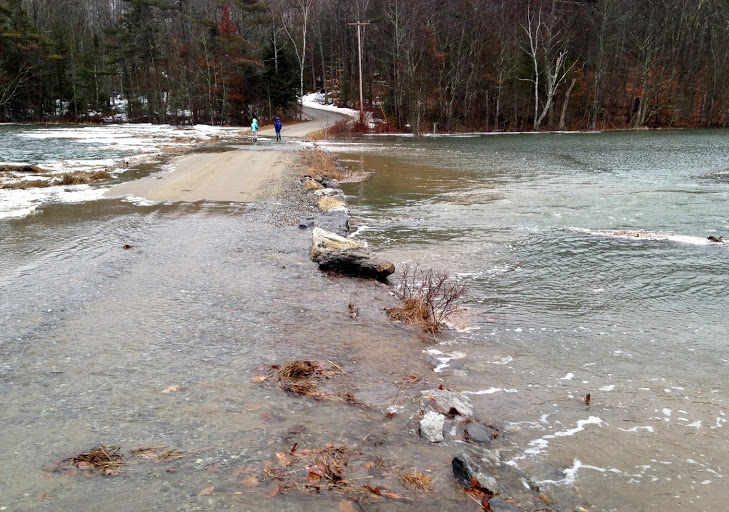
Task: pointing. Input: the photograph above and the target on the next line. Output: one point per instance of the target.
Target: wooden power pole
(359, 48)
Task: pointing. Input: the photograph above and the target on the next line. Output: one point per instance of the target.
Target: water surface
(588, 271)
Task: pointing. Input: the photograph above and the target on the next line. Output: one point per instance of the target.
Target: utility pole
(359, 48)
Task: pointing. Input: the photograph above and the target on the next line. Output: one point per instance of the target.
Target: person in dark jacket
(277, 126)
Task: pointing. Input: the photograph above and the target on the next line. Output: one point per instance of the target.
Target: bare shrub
(26, 184)
(319, 162)
(428, 297)
(81, 178)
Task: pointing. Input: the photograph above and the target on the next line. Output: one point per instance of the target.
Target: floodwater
(143, 325)
(588, 271)
(587, 268)
(94, 334)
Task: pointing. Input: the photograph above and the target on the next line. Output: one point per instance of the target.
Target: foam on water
(537, 446)
(639, 235)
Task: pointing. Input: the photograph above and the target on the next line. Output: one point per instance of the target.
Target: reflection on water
(564, 310)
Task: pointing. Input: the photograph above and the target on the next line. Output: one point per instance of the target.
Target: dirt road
(243, 175)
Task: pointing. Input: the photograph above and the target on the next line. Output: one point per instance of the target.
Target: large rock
(335, 221)
(355, 264)
(327, 203)
(468, 473)
(431, 427)
(448, 402)
(311, 184)
(330, 192)
(325, 242)
(477, 433)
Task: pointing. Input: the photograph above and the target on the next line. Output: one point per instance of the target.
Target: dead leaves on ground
(109, 460)
(302, 377)
(106, 460)
(341, 470)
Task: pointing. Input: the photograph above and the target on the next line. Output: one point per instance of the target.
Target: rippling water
(589, 271)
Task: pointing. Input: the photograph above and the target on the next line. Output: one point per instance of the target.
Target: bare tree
(290, 23)
(547, 48)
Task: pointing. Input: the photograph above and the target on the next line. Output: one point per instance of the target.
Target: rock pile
(331, 247)
(449, 416)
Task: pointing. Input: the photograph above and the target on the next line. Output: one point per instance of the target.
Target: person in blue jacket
(254, 128)
(277, 126)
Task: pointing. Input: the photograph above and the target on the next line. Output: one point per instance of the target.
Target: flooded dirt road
(156, 345)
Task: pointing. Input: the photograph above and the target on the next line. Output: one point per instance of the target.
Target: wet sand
(242, 175)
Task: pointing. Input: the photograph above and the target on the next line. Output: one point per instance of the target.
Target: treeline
(427, 64)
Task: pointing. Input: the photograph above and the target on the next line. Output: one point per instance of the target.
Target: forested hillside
(444, 64)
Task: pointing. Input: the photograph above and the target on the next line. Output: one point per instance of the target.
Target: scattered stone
(310, 184)
(431, 426)
(477, 433)
(327, 203)
(330, 183)
(466, 472)
(448, 402)
(716, 239)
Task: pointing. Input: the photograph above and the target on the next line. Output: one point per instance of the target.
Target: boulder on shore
(327, 203)
(355, 264)
(335, 221)
(447, 402)
(346, 256)
(325, 242)
(330, 192)
(310, 184)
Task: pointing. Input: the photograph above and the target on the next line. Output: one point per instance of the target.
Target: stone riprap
(332, 249)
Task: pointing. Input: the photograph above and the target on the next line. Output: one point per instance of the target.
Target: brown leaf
(283, 459)
(259, 378)
(250, 482)
(241, 470)
(297, 429)
(206, 491)
(273, 490)
(316, 473)
(346, 506)
(171, 389)
(381, 491)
